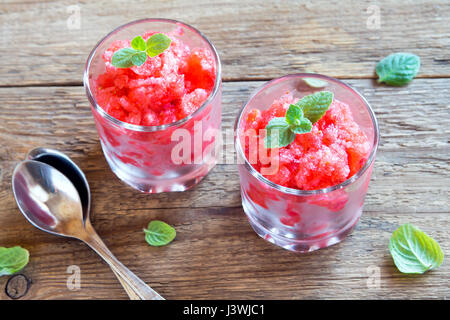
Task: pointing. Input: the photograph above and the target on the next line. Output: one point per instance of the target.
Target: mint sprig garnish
(138, 43)
(414, 251)
(159, 233)
(300, 117)
(398, 69)
(315, 105)
(140, 50)
(157, 44)
(278, 133)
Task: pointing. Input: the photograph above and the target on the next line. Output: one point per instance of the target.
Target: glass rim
(142, 128)
(299, 192)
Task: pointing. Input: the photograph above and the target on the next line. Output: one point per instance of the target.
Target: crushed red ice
(164, 89)
(332, 152)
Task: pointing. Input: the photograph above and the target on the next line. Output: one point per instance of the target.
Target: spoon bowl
(66, 166)
(47, 199)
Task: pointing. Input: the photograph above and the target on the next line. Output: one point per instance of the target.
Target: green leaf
(123, 58)
(139, 58)
(398, 69)
(278, 133)
(414, 251)
(137, 54)
(304, 126)
(294, 115)
(159, 233)
(138, 43)
(13, 260)
(315, 105)
(315, 83)
(157, 44)
(299, 118)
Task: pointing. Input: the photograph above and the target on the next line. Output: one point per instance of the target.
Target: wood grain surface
(256, 39)
(216, 254)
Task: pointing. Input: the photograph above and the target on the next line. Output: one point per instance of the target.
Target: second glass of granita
(309, 194)
(158, 123)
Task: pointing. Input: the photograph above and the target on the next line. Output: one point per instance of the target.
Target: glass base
(149, 185)
(301, 245)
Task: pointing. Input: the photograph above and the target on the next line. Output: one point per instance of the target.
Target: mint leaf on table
(398, 69)
(13, 260)
(414, 251)
(315, 83)
(140, 50)
(159, 233)
(299, 118)
(157, 44)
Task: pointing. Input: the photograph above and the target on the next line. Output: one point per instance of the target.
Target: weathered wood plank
(256, 39)
(414, 126)
(218, 256)
(226, 258)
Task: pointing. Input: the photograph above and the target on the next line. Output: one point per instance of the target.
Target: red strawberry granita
(308, 193)
(334, 150)
(158, 117)
(166, 88)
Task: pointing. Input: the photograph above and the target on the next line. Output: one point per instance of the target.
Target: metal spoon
(49, 201)
(66, 166)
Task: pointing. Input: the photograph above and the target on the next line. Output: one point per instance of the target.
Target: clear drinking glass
(300, 220)
(143, 156)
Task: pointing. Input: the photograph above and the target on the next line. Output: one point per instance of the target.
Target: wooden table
(216, 254)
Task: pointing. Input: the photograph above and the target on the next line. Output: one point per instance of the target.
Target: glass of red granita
(309, 194)
(158, 122)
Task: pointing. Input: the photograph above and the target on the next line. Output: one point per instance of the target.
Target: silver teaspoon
(49, 201)
(67, 167)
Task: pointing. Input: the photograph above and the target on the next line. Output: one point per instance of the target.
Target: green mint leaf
(138, 43)
(137, 54)
(413, 251)
(315, 105)
(278, 133)
(304, 126)
(139, 58)
(398, 69)
(157, 44)
(299, 118)
(159, 233)
(13, 260)
(315, 83)
(123, 58)
(294, 115)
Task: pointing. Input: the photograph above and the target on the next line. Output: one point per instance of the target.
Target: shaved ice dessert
(304, 188)
(157, 117)
(334, 150)
(166, 88)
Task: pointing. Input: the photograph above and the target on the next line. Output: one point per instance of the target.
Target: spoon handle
(130, 292)
(138, 287)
